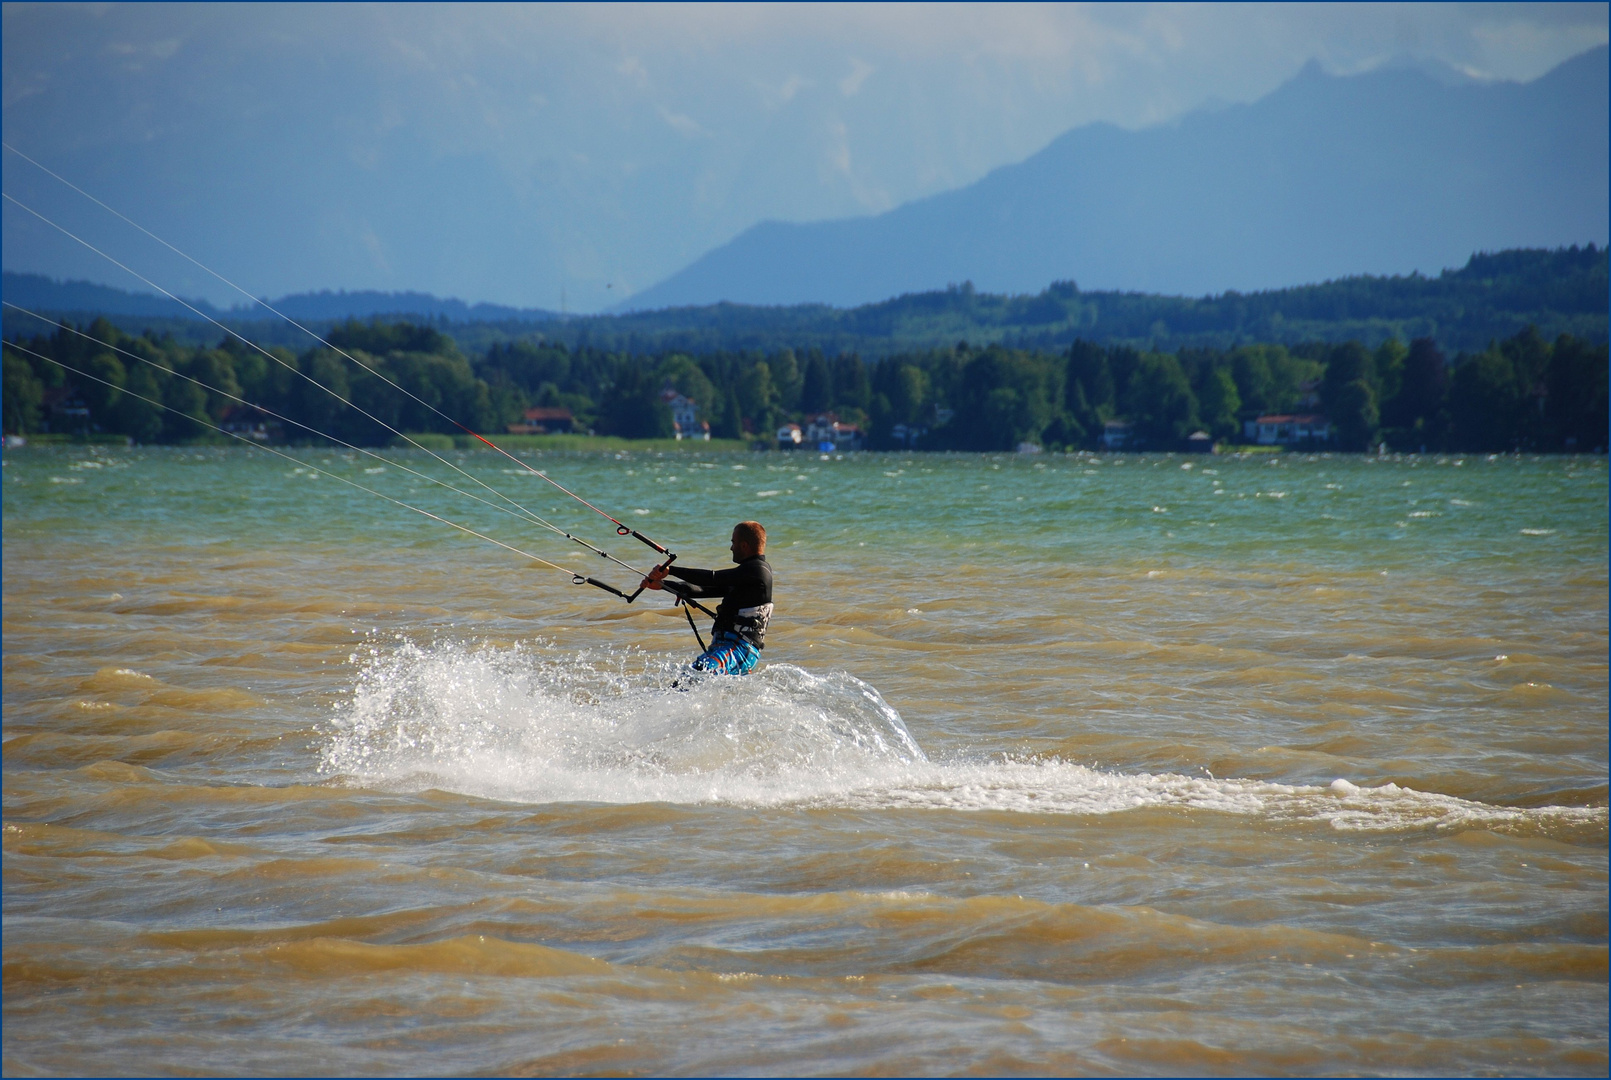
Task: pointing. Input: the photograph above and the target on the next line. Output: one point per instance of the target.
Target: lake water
(1136, 764)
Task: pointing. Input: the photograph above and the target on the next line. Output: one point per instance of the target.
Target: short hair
(752, 533)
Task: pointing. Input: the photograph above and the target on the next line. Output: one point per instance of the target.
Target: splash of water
(532, 724)
(527, 725)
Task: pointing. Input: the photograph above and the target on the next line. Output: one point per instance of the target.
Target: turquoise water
(1155, 764)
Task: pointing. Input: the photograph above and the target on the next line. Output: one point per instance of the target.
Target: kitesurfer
(746, 591)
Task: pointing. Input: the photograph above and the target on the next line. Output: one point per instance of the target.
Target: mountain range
(40, 293)
(1402, 168)
(1493, 296)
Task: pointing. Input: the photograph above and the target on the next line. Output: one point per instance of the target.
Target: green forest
(1522, 392)
(1494, 296)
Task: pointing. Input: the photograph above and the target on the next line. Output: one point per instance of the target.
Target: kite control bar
(675, 588)
(580, 579)
(662, 566)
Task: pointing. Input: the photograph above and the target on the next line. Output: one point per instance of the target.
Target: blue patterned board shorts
(728, 654)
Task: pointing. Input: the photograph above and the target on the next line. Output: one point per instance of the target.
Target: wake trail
(530, 725)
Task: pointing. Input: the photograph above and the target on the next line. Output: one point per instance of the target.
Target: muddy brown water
(1053, 764)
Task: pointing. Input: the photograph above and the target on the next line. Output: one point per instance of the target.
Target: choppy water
(1053, 765)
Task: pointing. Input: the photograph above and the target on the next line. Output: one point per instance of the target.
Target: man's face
(741, 547)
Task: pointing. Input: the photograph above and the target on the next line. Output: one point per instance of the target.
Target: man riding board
(746, 591)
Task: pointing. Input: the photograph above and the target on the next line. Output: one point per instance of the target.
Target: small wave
(528, 724)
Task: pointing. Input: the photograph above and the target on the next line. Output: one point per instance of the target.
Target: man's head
(749, 539)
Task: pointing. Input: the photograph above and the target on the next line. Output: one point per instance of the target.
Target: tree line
(1522, 392)
(1493, 296)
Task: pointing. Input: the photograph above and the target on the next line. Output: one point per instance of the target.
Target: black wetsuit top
(746, 592)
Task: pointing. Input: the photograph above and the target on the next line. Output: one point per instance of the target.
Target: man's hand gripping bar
(641, 585)
(579, 579)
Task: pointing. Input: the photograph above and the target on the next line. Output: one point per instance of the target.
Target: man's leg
(729, 656)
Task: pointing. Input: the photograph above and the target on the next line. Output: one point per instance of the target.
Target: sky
(540, 155)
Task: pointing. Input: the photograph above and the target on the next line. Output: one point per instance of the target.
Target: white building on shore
(685, 422)
(1287, 429)
(825, 432)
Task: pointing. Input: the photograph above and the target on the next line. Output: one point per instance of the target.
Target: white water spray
(534, 725)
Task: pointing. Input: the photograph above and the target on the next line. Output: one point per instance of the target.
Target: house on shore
(907, 435)
(1117, 435)
(65, 411)
(685, 422)
(545, 421)
(790, 437)
(248, 422)
(824, 432)
(1287, 429)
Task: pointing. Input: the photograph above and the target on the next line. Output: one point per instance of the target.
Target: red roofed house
(825, 432)
(545, 421)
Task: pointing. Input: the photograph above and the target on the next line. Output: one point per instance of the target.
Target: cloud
(376, 247)
(681, 123)
(156, 50)
(1520, 45)
(136, 56)
(792, 86)
(634, 70)
(859, 70)
(579, 121)
(837, 154)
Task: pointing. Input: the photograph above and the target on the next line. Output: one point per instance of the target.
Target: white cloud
(634, 71)
(1517, 48)
(156, 50)
(859, 70)
(376, 247)
(792, 86)
(837, 154)
(681, 123)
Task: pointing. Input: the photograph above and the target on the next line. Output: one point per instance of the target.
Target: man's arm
(706, 583)
(708, 579)
(701, 583)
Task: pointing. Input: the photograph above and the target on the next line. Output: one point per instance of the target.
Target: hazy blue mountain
(1494, 296)
(1399, 169)
(361, 305)
(39, 293)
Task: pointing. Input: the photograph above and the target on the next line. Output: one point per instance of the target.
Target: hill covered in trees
(1493, 296)
(40, 293)
(1525, 391)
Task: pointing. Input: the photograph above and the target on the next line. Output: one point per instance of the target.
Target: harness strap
(683, 603)
(680, 591)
